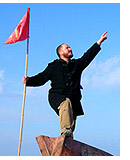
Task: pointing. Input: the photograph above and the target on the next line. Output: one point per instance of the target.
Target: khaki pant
(67, 118)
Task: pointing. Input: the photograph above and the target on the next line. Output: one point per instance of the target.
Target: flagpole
(23, 104)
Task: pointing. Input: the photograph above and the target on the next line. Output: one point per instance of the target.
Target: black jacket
(65, 79)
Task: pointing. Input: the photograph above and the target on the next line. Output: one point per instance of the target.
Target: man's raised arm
(102, 38)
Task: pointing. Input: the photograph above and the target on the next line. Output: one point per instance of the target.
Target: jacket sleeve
(88, 56)
(39, 79)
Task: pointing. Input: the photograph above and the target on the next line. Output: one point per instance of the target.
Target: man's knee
(65, 105)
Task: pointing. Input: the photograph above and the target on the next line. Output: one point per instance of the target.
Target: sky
(80, 25)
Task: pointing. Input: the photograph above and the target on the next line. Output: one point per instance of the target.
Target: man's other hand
(25, 79)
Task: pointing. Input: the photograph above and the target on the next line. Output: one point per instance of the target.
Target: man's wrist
(99, 42)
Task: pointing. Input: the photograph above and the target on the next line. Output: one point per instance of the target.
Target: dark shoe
(68, 133)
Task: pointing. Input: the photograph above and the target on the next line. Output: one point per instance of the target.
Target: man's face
(66, 51)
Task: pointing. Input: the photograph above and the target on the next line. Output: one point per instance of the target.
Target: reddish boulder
(62, 146)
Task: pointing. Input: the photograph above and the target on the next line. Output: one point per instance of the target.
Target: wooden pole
(23, 104)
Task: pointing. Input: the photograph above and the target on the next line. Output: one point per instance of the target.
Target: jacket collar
(63, 61)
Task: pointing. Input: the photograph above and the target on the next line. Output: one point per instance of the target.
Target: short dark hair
(58, 49)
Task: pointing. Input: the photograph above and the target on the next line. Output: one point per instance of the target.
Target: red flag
(21, 32)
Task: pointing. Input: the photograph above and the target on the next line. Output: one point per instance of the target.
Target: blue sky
(80, 26)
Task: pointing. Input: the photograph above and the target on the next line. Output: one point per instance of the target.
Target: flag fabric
(21, 32)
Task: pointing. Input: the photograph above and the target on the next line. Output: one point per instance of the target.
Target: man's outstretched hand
(25, 79)
(102, 38)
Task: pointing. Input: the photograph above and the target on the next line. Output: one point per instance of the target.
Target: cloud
(1, 79)
(104, 74)
(40, 91)
(1, 74)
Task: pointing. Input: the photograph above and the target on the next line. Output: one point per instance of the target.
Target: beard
(71, 56)
(68, 55)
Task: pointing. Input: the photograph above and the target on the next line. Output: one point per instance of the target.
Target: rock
(62, 146)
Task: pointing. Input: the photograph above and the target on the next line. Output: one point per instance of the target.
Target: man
(65, 75)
